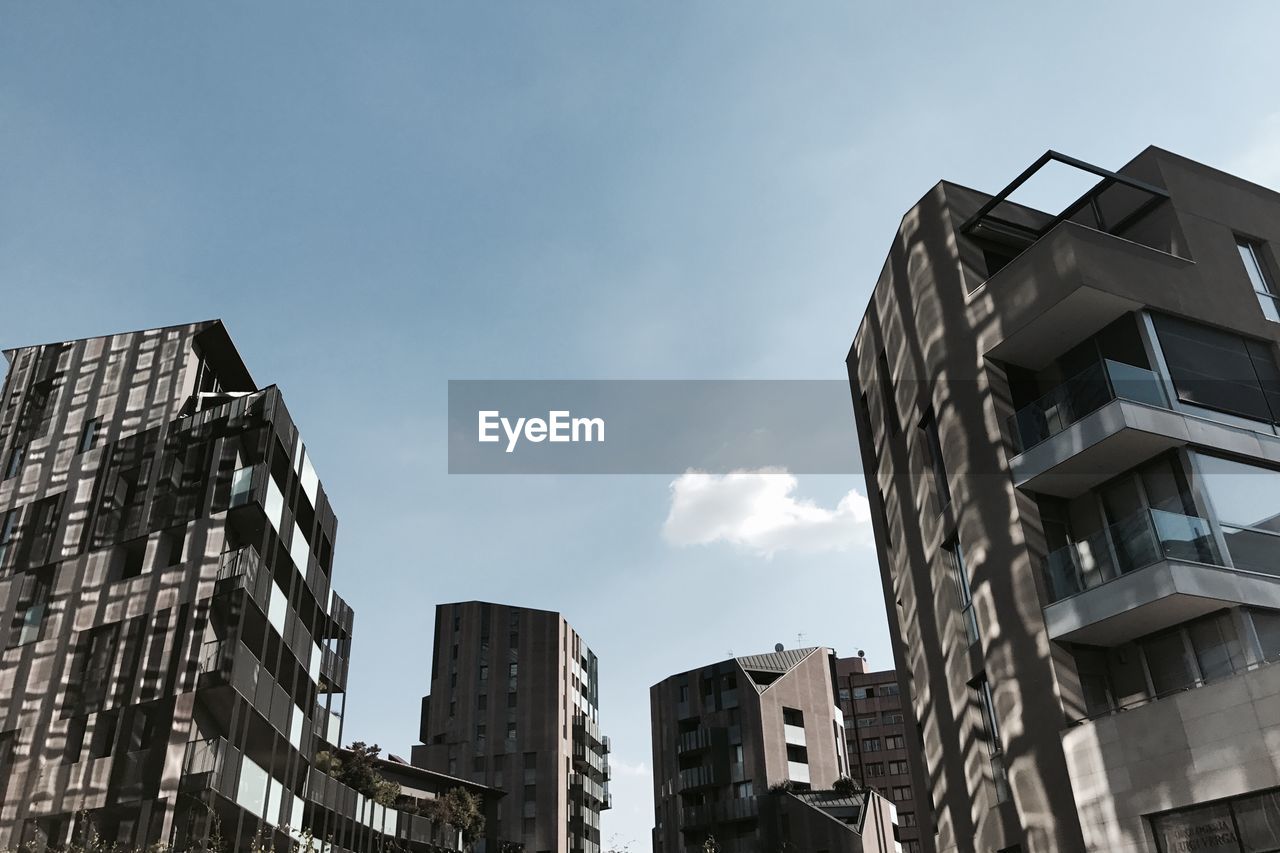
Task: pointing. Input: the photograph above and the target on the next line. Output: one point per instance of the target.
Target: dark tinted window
(1220, 370)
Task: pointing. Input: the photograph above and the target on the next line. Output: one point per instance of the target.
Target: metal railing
(1082, 394)
(1143, 538)
(1194, 684)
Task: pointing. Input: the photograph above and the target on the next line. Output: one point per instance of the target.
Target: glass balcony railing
(1080, 395)
(1139, 540)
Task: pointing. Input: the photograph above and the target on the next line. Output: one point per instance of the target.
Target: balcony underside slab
(1157, 596)
(1123, 434)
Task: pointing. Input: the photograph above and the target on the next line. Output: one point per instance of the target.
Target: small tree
(710, 845)
(846, 786)
(358, 771)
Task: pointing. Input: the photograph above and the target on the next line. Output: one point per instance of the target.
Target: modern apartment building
(174, 655)
(882, 745)
(1070, 425)
(747, 752)
(514, 704)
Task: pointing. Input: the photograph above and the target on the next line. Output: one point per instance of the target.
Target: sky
(380, 197)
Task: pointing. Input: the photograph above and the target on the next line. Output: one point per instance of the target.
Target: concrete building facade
(175, 656)
(1069, 427)
(514, 704)
(883, 750)
(747, 752)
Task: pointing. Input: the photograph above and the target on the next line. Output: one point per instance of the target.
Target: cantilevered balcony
(1152, 570)
(1107, 253)
(1106, 418)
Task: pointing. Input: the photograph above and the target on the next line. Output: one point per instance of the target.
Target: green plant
(326, 762)
(846, 786)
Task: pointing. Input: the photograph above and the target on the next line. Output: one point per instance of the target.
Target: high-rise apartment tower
(514, 704)
(1070, 426)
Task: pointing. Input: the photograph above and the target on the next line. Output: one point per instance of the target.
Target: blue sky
(380, 197)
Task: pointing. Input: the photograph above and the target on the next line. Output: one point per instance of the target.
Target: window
(1251, 253)
(1250, 822)
(1168, 662)
(35, 592)
(484, 672)
(1220, 370)
(89, 435)
(477, 764)
(897, 768)
(892, 719)
(901, 793)
(511, 700)
(874, 768)
(1267, 625)
(792, 717)
(844, 694)
(482, 702)
(742, 790)
(511, 731)
(987, 703)
(960, 575)
(513, 639)
(999, 774)
(684, 693)
(890, 690)
(797, 754)
(481, 731)
(864, 722)
(8, 532)
(15, 461)
(933, 446)
(886, 395)
(871, 744)
(894, 742)
(863, 692)
(906, 818)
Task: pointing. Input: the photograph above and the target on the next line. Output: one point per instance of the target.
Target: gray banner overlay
(651, 426)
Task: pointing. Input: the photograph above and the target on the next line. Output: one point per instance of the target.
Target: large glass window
(1168, 662)
(1245, 824)
(1246, 501)
(1220, 370)
(1216, 646)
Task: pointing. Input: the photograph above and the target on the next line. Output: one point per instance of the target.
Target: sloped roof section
(768, 668)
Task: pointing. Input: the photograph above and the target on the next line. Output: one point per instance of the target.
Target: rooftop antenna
(799, 640)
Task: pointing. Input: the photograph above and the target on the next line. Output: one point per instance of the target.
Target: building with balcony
(882, 744)
(748, 752)
(1070, 428)
(175, 655)
(514, 705)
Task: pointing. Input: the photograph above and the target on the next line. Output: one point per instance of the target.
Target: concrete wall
(1194, 747)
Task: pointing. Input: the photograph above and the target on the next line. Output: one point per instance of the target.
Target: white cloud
(760, 512)
(622, 768)
(1259, 159)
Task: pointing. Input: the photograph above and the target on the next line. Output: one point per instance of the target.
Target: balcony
(693, 741)
(696, 777)
(724, 811)
(1108, 418)
(1083, 394)
(1146, 572)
